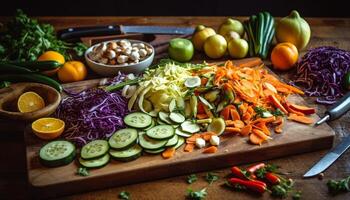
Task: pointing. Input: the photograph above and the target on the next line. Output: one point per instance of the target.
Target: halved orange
(30, 102)
(48, 128)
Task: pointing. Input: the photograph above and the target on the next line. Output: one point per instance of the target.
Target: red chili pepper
(251, 185)
(236, 171)
(253, 168)
(259, 182)
(272, 178)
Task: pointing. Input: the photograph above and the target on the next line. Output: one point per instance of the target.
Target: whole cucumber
(35, 65)
(38, 78)
(269, 37)
(260, 32)
(10, 68)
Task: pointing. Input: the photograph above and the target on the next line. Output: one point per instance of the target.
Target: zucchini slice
(179, 132)
(172, 141)
(129, 154)
(95, 163)
(180, 142)
(123, 139)
(138, 120)
(161, 132)
(94, 149)
(190, 127)
(176, 117)
(57, 153)
(164, 117)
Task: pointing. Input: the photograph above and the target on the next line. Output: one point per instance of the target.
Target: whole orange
(284, 56)
(52, 56)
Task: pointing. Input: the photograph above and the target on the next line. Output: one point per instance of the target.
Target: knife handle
(339, 108)
(78, 32)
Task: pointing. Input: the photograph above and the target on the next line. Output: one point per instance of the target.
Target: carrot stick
(253, 62)
(254, 139)
(260, 134)
(263, 127)
(234, 114)
(189, 147)
(232, 130)
(266, 120)
(301, 119)
(168, 153)
(193, 138)
(211, 149)
(207, 135)
(229, 123)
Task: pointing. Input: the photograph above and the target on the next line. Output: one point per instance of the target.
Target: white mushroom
(103, 60)
(134, 56)
(112, 45)
(125, 43)
(149, 50)
(135, 49)
(127, 51)
(139, 45)
(143, 52)
(200, 143)
(110, 54)
(122, 59)
(100, 48)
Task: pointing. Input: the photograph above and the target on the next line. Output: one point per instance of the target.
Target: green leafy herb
(124, 195)
(277, 112)
(191, 178)
(296, 195)
(196, 195)
(211, 177)
(82, 171)
(336, 187)
(24, 39)
(262, 112)
(260, 173)
(282, 190)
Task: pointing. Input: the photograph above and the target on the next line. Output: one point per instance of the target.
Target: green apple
(238, 48)
(215, 46)
(181, 49)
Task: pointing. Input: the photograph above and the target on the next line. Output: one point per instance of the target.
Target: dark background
(307, 8)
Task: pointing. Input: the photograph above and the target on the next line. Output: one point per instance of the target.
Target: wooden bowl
(9, 97)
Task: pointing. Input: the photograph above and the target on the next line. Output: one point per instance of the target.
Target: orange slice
(48, 128)
(30, 102)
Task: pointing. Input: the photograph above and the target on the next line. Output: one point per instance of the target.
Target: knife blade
(329, 158)
(77, 32)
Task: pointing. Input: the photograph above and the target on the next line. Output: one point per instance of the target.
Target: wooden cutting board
(48, 182)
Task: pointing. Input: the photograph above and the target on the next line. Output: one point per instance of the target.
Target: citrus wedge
(48, 128)
(30, 102)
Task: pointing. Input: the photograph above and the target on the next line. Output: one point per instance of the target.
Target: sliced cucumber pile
(94, 149)
(123, 139)
(95, 163)
(57, 153)
(138, 120)
(161, 132)
(129, 154)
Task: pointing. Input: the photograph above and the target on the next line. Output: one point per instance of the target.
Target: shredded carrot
(189, 147)
(301, 119)
(234, 114)
(168, 153)
(255, 139)
(211, 149)
(278, 128)
(246, 130)
(266, 120)
(232, 130)
(263, 127)
(225, 113)
(260, 134)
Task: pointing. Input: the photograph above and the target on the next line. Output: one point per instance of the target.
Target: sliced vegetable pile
(322, 72)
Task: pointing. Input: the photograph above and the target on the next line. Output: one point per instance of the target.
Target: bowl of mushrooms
(127, 56)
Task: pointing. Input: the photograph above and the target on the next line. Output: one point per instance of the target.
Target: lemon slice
(30, 102)
(48, 128)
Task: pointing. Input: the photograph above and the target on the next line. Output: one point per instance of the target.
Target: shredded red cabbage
(92, 114)
(320, 72)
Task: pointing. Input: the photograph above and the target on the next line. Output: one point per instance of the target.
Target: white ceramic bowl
(112, 70)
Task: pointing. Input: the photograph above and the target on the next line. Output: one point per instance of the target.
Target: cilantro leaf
(196, 195)
(211, 177)
(82, 171)
(191, 178)
(124, 195)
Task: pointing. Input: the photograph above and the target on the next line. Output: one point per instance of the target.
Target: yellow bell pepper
(72, 71)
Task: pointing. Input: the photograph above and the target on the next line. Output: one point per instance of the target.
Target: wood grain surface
(14, 183)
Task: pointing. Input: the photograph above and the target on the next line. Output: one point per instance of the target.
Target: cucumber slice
(95, 163)
(172, 141)
(172, 105)
(190, 127)
(192, 82)
(217, 126)
(179, 132)
(94, 149)
(176, 117)
(160, 122)
(157, 151)
(138, 120)
(180, 142)
(149, 143)
(129, 154)
(123, 139)
(205, 102)
(164, 117)
(57, 153)
(180, 103)
(151, 126)
(161, 132)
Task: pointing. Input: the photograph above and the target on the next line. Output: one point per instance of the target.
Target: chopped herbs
(260, 173)
(124, 195)
(336, 187)
(211, 177)
(262, 112)
(191, 178)
(196, 195)
(82, 171)
(296, 195)
(277, 113)
(283, 189)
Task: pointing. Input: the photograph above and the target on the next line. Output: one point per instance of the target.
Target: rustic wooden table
(13, 181)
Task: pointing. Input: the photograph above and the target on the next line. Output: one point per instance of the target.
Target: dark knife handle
(70, 34)
(339, 108)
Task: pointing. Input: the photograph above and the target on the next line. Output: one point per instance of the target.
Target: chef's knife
(329, 158)
(77, 32)
(336, 110)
